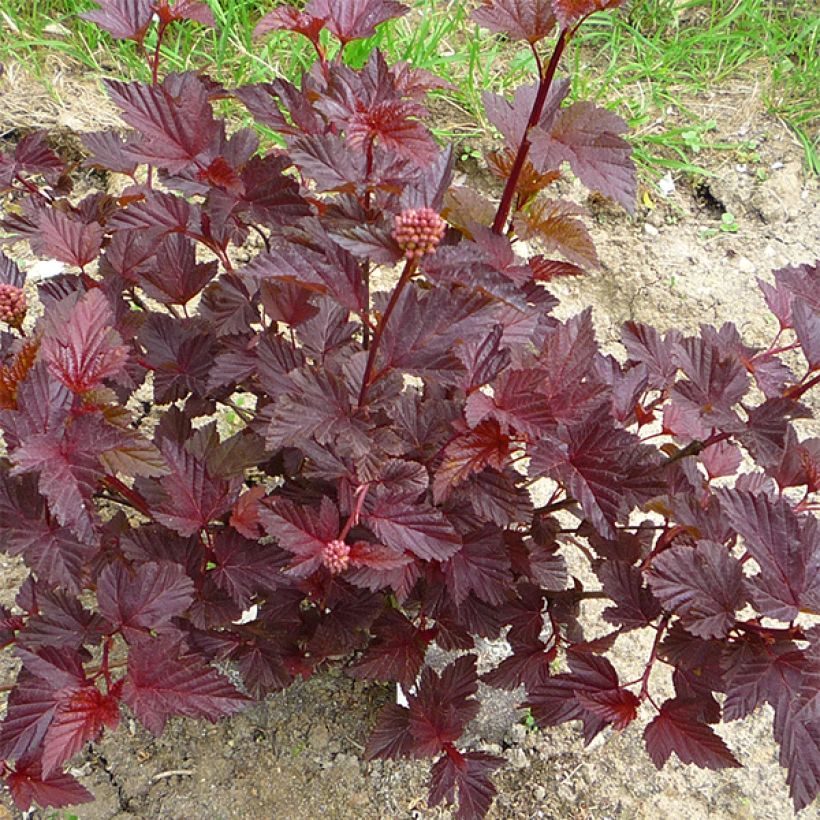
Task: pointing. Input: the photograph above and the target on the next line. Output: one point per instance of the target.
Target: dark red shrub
(375, 491)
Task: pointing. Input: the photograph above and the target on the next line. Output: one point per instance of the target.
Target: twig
(172, 773)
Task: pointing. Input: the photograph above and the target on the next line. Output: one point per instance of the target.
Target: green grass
(641, 61)
(665, 52)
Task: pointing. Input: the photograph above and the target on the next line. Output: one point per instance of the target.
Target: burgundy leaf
(313, 271)
(601, 466)
(144, 599)
(10, 273)
(678, 729)
(586, 136)
(797, 729)
(55, 553)
(635, 605)
(567, 356)
(516, 404)
(391, 738)
(570, 12)
(484, 358)
(194, 496)
(529, 665)
(195, 10)
(801, 282)
(759, 673)
(545, 270)
(31, 707)
(443, 706)
(546, 567)
(375, 567)
(164, 680)
(265, 99)
(317, 405)
(80, 718)
(779, 301)
(68, 462)
(469, 774)
(123, 19)
(63, 621)
(419, 338)
(354, 19)
(512, 119)
(800, 464)
(68, 239)
(646, 346)
(244, 566)
(28, 784)
(498, 497)
(288, 18)
(369, 108)
(79, 344)
(177, 276)
(785, 546)
(60, 666)
(616, 706)
(34, 155)
(260, 193)
(419, 528)
(245, 513)
(342, 626)
(326, 159)
(396, 653)
(480, 567)
(226, 304)
(303, 531)
(560, 699)
(469, 453)
(529, 20)
(704, 586)
(180, 354)
(174, 120)
(721, 459)
(398, 478)
(551, 225)
(158, 211)
(807, 327)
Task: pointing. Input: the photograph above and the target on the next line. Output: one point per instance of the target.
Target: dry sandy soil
(298, 755)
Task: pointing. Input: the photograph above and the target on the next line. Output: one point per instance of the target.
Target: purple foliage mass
(374, 496)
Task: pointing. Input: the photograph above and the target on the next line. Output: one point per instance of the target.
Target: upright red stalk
(523, 150)
(407, 273)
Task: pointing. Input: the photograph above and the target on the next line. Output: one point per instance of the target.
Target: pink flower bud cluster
(336, 556)
(12, 304)
(418, 231)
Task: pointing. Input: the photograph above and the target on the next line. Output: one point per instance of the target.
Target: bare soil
(299, 754)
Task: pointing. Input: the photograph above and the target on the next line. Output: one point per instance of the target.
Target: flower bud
(418, 231)
(336, 556)
(12, 304)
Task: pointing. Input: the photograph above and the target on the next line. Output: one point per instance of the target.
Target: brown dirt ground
(298, 755)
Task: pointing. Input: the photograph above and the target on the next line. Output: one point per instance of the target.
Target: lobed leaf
(677, 728)
(164, 680)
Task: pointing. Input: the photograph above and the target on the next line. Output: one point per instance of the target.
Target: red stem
(136, 500)
(774, 351)
(406, 275)
(355, 513)
(797, 390)
(32, 188)
(523, 150)
(793, 632)
(644, 694)
(104, 665)
(155, 58)
(366, 265)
